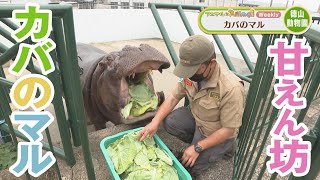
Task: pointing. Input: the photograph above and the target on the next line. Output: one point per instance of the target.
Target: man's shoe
(192, 174)
(228, 155)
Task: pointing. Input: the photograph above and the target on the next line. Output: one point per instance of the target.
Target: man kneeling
(216, 97)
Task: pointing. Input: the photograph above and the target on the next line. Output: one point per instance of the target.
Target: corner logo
(258, 20)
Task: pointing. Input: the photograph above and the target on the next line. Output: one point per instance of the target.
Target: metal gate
(259, 115)
(65, 79)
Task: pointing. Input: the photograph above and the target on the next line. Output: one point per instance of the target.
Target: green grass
(8, 155)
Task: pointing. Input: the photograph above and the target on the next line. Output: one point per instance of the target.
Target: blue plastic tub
(182, 172)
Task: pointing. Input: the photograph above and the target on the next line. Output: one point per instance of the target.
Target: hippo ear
(106, 61)
(127, 48)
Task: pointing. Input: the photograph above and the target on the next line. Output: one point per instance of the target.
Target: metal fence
(180, 8)
(66, 82)
(259, 115)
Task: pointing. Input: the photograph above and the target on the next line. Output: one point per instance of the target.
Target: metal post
(185, 21)
(254, 42)
(243, 52)
(164, 33)
(77, 95)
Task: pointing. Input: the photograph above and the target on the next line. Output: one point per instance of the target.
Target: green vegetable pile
(134, 159)
(142, 100)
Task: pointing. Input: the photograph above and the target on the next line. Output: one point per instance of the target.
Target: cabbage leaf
(134, 159)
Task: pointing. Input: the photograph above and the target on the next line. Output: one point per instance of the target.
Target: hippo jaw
(133, 66)
(144, 58)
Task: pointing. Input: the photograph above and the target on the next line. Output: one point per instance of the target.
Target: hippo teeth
(133, 75)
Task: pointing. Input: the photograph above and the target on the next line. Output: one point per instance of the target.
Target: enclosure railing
(259, 115)
(66, 81)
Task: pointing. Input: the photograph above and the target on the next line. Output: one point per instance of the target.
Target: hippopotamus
(104, 81)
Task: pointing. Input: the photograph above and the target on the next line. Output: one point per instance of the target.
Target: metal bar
(6, 34)
(27, 175)
(266, 83)
(174, 6)
(253, 119)
(308, 69)
(313, 34)
(311, 93)
(9, 54)
(185, 21)
(224, 53)
(190, 32)
(52, 150)
(272, 119)
(251, 99)
(67, 79)
(273, 176)
(243, 52)
(164, 33)
(249, 75)
(254, 42)
(6, 83)
(6, 110)
(77, 95)
(264, 167)
(34, 69)
(315, 157)
(267, 39)
(222, 50)
(9, 23)
(309, 80)
(59, 152)
(60, 113)
(6, 90)
(289, 37)
(3, 48)
(245, 78)
(5, 136)
(246, 120)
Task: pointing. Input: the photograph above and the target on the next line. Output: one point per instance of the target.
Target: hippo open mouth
(118, 87)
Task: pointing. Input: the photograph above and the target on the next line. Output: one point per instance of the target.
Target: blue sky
(311, 5)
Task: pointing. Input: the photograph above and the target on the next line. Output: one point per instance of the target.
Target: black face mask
(198, 77)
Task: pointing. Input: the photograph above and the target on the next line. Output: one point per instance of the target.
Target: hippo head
(112, 78)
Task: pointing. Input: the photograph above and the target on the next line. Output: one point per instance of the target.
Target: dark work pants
(180, 123)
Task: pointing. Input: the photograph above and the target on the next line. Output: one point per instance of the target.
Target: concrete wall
(105, 25)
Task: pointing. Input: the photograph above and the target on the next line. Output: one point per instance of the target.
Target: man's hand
(163, 111)
(189, 156)
(149, 130)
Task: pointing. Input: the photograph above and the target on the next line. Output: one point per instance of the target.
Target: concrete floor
(162, 82)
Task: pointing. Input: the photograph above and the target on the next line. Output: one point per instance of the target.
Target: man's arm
(163, 111)
(217, 137)
(166, 107)
(190, 155)
(231, 117)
